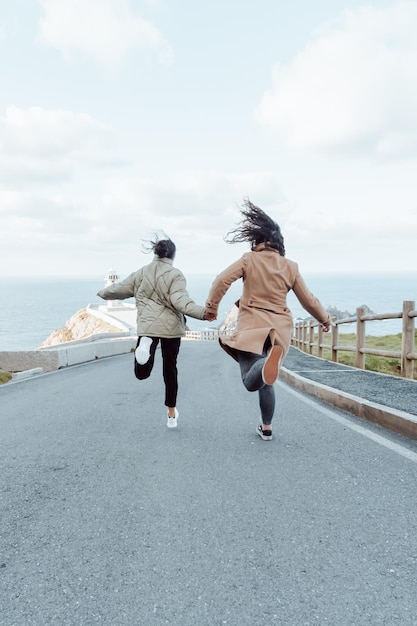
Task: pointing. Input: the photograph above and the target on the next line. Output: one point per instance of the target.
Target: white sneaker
(172, 421)
(143, 351)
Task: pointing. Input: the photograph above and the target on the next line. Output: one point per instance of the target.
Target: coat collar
(262, 246)
(163, 260)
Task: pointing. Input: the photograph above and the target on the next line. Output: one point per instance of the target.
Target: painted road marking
(395, 447)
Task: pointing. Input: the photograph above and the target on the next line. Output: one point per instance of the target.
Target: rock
(335, 313)
(79, 326)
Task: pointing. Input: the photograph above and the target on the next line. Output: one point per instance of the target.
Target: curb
(392, 419)
(27, 373)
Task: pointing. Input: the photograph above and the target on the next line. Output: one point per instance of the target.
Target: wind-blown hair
(163, 248)
(257, 227)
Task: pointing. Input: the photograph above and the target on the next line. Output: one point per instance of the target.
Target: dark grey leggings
(251, 370)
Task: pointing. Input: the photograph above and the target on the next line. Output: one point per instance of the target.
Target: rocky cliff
(79, 326)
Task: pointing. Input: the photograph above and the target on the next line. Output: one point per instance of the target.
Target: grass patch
(5, 377)
(373, 363)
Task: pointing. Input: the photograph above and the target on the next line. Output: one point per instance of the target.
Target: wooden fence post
(407, 346)
(320, 341)
(304, 347)
(360, 338)
(310, 336)
(335, 341)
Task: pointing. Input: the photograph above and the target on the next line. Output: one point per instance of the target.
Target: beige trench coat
(267, 278)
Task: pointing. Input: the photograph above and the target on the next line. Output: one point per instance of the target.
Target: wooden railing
(307, 339)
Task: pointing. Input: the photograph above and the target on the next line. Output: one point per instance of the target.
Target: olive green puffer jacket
(162, 299)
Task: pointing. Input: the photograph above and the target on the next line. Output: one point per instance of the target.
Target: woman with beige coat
(162, 302)
(264, 325)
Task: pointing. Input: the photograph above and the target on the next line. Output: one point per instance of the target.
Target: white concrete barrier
(63, 355)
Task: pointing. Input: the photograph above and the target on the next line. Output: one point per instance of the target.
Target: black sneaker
(266, 435)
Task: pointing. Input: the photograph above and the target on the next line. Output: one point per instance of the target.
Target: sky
(123, 118)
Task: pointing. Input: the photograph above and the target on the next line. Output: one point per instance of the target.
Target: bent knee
(249, 386)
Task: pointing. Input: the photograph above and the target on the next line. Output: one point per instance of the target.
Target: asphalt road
(107, 517)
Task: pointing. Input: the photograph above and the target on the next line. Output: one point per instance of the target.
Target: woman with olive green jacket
(162, 302)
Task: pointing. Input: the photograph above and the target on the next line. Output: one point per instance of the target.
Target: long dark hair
(163, 248)
(257, 227)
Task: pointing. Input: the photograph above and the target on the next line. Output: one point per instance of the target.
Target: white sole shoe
(270, 370)
(265, 435)
(172, 421)
(143, 351)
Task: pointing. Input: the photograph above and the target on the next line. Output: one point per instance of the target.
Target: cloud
(191, 192)
(106, 31)
(36, 217)
(66, 230)
(195, 208)
(362, 248)
(353, 89)
(41, 144)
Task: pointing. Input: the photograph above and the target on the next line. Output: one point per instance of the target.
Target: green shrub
(5, 377)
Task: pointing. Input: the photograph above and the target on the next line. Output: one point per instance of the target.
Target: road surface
(110, 518)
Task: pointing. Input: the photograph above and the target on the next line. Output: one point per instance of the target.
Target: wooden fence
(307, 339)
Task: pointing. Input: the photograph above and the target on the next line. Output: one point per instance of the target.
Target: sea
(31, 308)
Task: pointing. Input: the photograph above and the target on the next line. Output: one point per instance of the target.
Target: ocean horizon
(31, 308)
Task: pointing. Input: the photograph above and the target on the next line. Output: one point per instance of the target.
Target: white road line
(395, 447)
(328, 371)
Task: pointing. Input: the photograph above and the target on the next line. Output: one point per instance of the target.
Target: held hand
(209, 317)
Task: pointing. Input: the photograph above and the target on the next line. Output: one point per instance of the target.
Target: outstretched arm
(222, 283)
(311, 304)
(181, 300)
(119, 291)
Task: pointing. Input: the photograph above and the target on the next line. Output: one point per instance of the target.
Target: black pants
(251, 370)
(169, 350)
